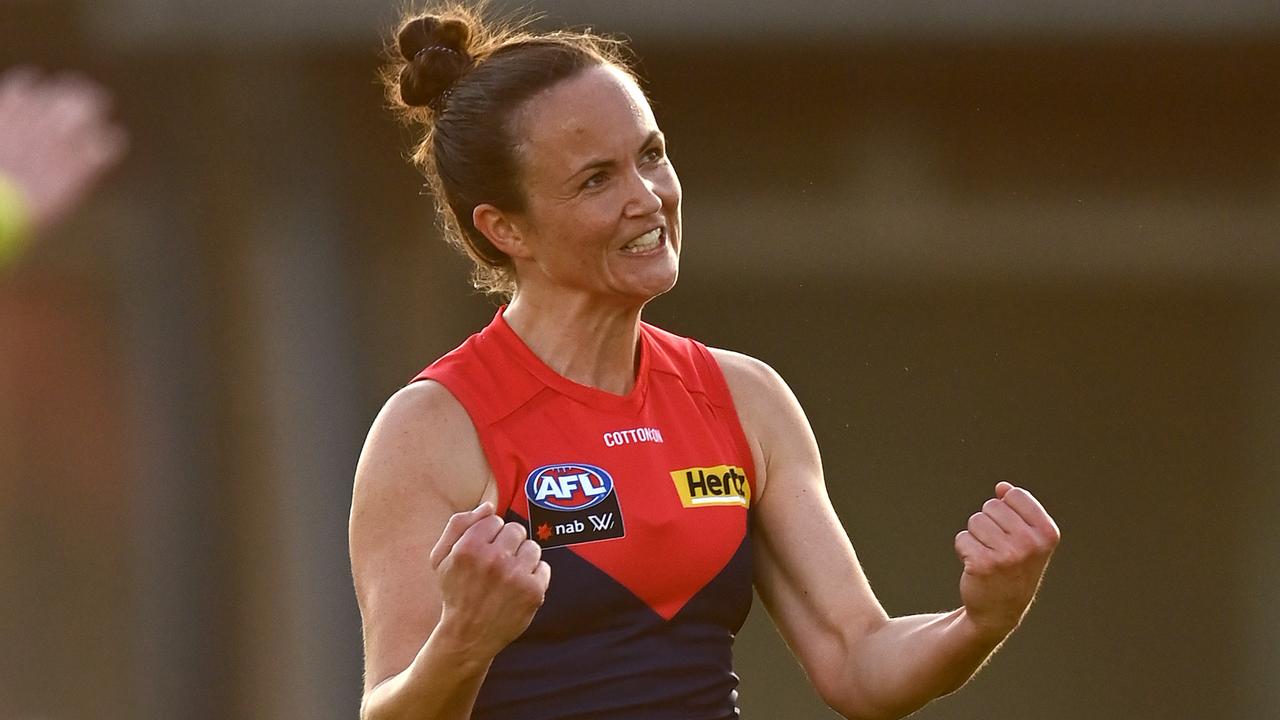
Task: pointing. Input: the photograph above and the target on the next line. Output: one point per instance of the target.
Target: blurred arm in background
(56, 140)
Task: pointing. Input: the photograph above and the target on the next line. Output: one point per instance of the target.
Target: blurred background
(1029, 241)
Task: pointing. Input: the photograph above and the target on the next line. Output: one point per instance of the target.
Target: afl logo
(568, 486)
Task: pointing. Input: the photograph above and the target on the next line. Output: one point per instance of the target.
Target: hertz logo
(710, 486)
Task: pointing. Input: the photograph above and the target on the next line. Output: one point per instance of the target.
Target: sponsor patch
(712, 486)
(571, 503)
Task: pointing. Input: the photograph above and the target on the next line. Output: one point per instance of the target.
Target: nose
(644, 199)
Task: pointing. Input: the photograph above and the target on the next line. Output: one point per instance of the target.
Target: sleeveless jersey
(640, 503)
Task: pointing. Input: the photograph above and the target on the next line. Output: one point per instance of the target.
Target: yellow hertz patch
(710, 486)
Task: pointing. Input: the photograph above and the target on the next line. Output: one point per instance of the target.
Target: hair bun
(437, 54)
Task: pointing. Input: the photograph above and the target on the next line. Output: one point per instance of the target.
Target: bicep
(420, 464)
(805, 567)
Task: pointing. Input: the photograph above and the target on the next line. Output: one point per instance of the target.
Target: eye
(595, 180)
(655, 154)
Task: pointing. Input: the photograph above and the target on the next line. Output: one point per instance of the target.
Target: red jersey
(640, 503)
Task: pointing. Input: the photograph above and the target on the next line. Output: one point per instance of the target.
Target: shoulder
(418, 417)
(752, 382)
(422, 445)
(771, 416)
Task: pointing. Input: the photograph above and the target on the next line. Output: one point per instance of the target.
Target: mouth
(647, 242)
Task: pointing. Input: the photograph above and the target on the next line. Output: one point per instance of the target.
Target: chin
(652, 287)
(655, 292)
(643, 290)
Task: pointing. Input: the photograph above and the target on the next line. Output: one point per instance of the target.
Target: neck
(583, 340)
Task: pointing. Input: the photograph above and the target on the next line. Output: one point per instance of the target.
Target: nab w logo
(568, 487)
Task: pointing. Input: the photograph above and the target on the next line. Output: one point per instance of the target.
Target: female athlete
(565, 516)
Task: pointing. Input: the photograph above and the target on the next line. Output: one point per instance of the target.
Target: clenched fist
(1005, 550)
(492, 579)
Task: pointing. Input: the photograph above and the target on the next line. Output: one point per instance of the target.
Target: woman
(553, 522)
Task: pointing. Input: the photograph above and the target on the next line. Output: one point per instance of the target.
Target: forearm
(441, 684)
(908, 661)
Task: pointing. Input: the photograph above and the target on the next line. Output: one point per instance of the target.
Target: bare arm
(862, 662)
(443, 584)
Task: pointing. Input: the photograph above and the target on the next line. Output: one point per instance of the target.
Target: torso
(641, 504)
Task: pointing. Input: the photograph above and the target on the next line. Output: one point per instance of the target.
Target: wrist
(457, 644)
(982, 632)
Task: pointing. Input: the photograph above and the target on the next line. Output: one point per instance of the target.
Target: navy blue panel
(725, 600)
(596, 651)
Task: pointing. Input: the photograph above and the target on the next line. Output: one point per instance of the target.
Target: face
(602, 209)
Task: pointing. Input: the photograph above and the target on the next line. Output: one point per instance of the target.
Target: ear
(502, 229)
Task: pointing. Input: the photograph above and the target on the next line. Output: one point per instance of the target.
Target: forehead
(593, 114)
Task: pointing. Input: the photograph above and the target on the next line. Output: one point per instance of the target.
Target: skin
(596, 177)
(863, 663)
(444, 584)
(56, 140)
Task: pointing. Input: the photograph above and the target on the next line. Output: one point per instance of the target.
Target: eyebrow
(594, 164)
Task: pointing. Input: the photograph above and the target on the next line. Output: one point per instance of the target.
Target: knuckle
(464, 556)
(520, 586)
(489, 561)
(478, 556)
(516, 568)
(1027, 538)
(1011, 556)
(1055, 535)
(978, 565)
(533, 588)
(464, 545)
(532, 548)
(1037, 540)
(991, 505)
(476, 533)
(495, 556)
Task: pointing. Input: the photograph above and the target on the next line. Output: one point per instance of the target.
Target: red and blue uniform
(641, 505)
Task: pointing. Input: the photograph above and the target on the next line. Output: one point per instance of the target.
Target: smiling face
(602, 210)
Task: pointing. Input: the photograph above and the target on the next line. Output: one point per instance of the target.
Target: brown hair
(462, 79)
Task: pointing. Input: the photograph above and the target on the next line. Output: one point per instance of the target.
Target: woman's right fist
(492, 579)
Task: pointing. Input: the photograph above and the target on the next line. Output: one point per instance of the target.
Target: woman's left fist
(1005, 550)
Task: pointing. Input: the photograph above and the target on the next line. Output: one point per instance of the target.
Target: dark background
(982, 242)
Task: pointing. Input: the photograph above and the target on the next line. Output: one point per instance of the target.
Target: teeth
(645, 242)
